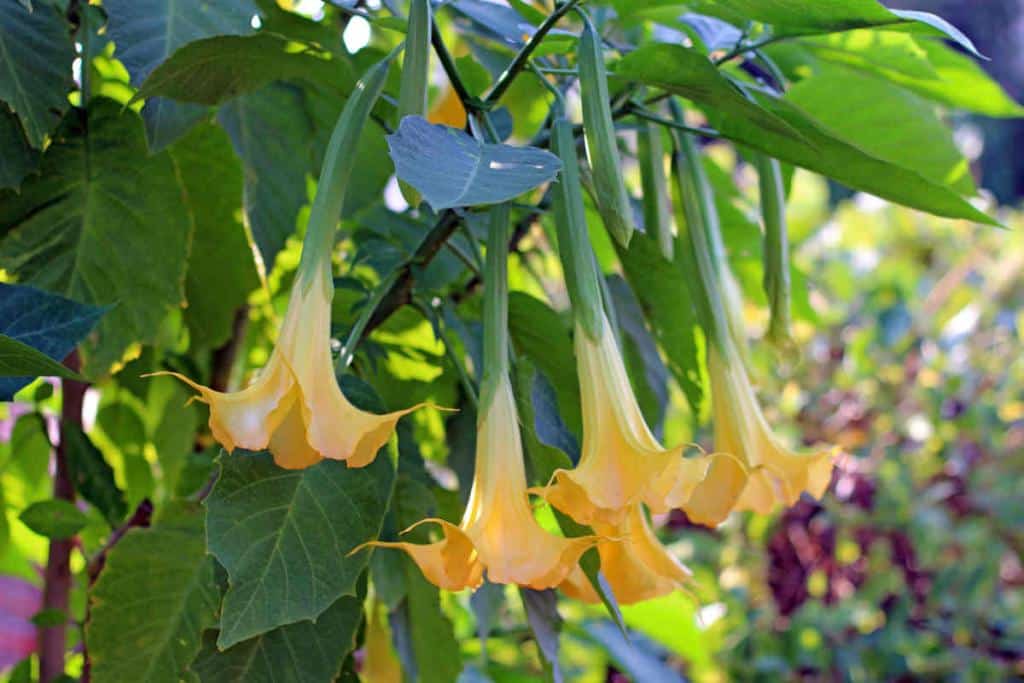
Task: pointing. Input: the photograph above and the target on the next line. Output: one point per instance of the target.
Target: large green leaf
(35, 66)
(285, 537)
(690, 74)
(271, 132)
(103, 223)
(664, 296)
(221, 269)
(872, 50)
(886, 121)
(304, 652)
(214, 70)
(152, 601)
(46, 322)
(146, 32)
(18, 359)
(450, 168)
(17, 158)
(845, 161)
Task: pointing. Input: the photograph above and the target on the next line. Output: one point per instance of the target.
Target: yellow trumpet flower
(498, 533)
(774, 474)
(622, 463)
(295, 407)
(634, 562)
(380, 662)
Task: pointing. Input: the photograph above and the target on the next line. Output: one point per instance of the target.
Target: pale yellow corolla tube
(634, 562)
(498, 532)
(621, 463)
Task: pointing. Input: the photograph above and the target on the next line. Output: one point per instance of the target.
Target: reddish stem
(57, 576)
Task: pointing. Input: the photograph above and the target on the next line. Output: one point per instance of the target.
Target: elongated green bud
(574, 248)
(339, 159)
(412, 93)
(657, 206)
(776, 251)
(602, 149)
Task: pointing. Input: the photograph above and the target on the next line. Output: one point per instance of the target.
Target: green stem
(496, 345)
(339, 160)
(749, 47)
(776, 247)
(469, 102)
(523, 56)
(647, 115)
(356, 333)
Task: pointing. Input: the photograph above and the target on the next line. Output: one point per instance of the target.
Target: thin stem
(551, 87)
(521, 59)
(469, 102)
(496, 346)
(358, 330)
(749, 47)
(464, 257)
(647, 115)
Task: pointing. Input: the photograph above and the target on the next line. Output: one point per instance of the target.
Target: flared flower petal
(634, 562)
(295, 407)
(498, 532)
(770, 475)
(622, 463)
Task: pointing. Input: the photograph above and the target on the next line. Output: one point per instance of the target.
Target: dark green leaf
(450, 168)
(147, 32)
(46, 322)
(664, 296)
(103, 223)
(284, 537)
(153, 599)
(433, 644)
(55, 519)
(221, 269)
(303, 652)
(845, 161)
(688, 73)
(35, 66)
(17, 158)
(214, 70)
(18, 360)
(546, 624)
(271, 133)
(92, 476)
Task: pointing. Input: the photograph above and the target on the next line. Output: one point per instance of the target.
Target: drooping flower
(774, 475)
(498, 532)
(295, 408)
(634, 562)
(380, 662)
(621, 464)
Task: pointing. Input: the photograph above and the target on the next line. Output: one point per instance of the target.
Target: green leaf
(214, 70)
(436, 651)
(17, 158)
(102, 224)
(539, 333)
(304, 652)
(664, 296)
(153, 599)
(55, 519)
(92, 476)
(46, 322)
(284, 537)
(546, 624)
(872, 50)
(844, 161)
(35, 66)
(19, 360)
(885, 121)
(147, 32)
(221, 269)
(450, 168)
(271, 132)
(688, 73)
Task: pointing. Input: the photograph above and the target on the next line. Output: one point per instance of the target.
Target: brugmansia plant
(299, 427)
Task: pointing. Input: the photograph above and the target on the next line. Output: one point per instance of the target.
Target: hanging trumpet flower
(634, 562)
(380, 661)
(295, 408)
(763, 473)
(498, 532)
(622, 464)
